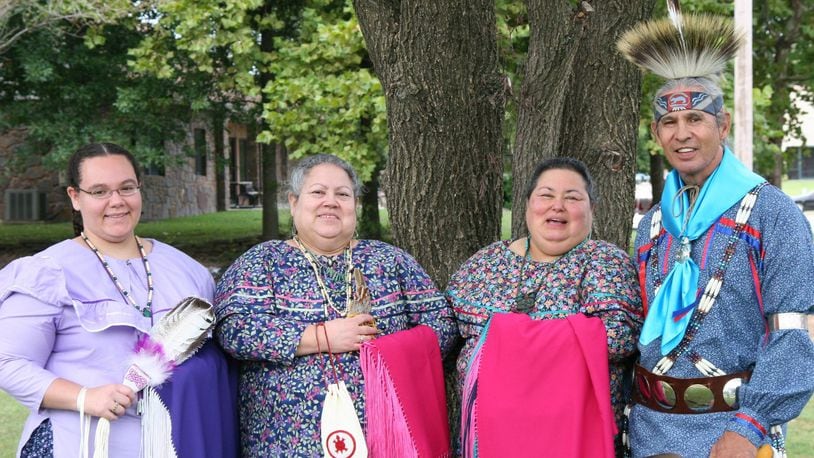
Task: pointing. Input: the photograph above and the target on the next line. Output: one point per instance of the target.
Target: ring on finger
(115, 406)
(361, 338)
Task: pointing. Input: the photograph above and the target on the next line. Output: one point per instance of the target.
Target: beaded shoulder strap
(711, 290)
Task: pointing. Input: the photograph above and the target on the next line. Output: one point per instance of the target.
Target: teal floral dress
(595, 278)
(268, 297)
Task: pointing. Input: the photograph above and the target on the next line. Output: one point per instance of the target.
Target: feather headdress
(682, 46)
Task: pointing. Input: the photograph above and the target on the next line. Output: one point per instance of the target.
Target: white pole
(743, 123)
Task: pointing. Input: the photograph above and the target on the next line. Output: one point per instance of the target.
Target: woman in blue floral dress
(271, 299)
(556, 271)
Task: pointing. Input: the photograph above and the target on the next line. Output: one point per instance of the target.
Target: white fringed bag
(342, 435)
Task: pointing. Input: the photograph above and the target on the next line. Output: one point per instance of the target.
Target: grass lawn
(795, 188)
(12, 416)
(800, 441)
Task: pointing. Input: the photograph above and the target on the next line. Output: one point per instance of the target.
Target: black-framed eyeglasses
(124, 191)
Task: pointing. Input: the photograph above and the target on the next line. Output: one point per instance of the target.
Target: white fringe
(84, 424)
(102, 441)
(156, 427)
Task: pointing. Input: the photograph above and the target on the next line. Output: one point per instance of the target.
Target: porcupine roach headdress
(683, 47)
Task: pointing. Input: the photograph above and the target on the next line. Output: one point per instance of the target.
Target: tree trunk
(581, 99)
(438, 64)
(271, 223)
(220, 160)
(370, 226)
(656, 176)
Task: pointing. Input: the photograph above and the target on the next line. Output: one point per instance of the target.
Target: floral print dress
(268, 297)
(595, 278)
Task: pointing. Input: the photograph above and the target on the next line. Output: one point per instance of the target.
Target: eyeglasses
(124, 191)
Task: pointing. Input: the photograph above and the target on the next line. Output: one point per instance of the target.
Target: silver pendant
(683, 250)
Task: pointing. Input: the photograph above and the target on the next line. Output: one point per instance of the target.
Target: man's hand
(733, 445)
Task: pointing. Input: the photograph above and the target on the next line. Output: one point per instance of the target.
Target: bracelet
(80, 399)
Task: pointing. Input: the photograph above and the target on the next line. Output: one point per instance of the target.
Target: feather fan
(176, 337)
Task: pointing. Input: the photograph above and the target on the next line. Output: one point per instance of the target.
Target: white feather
(674, 11)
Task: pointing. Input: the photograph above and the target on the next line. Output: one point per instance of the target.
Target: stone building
(186, 185)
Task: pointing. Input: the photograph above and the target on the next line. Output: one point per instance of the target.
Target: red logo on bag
(340, 444)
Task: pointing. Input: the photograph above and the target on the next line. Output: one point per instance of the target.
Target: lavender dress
(62, 317)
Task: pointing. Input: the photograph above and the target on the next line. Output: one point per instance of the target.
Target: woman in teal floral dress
(271, 299)
(556, 271)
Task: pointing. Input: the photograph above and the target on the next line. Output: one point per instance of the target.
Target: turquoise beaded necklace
(147, 310)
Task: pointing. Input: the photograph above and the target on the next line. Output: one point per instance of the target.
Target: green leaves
(322, 97)
(68, 93)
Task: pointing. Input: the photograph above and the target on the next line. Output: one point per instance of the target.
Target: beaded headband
(687, 100)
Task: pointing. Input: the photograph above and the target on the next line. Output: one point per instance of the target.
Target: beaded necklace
(147, 310)
(713, 286)
(525, 302)
(322, 288)
(326, 266)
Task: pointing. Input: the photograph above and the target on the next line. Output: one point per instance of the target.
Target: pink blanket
(405, 402)
(541, 388)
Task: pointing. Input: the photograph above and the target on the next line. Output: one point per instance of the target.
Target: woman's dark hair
(88, 151)
(562, 163)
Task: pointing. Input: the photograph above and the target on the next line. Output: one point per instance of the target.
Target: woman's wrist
(80, 399)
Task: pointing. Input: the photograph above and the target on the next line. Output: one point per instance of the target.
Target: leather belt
(687, 395)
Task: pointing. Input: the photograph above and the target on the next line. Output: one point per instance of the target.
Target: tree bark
(438, 64)
(218, 120)
(370, 226)
(579, 98)
(271, 223)
(656, 176)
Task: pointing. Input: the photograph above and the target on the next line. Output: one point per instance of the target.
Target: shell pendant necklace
(147, 310)
(322, 288)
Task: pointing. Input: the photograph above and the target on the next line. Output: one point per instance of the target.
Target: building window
(200, 151)
(154, 169)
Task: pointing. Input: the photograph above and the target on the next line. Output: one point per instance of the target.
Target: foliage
(205, 44)
(20, 17)
(783, 68)
(319, 94)
(513, 45)
(325, 97)
(776, 75)
(71, 88)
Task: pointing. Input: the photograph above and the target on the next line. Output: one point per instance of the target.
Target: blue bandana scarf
(676, 299)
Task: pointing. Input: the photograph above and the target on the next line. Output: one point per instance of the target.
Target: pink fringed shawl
(405, 402)
(539, 388)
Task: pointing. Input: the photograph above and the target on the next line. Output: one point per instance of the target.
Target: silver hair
(301, 170)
